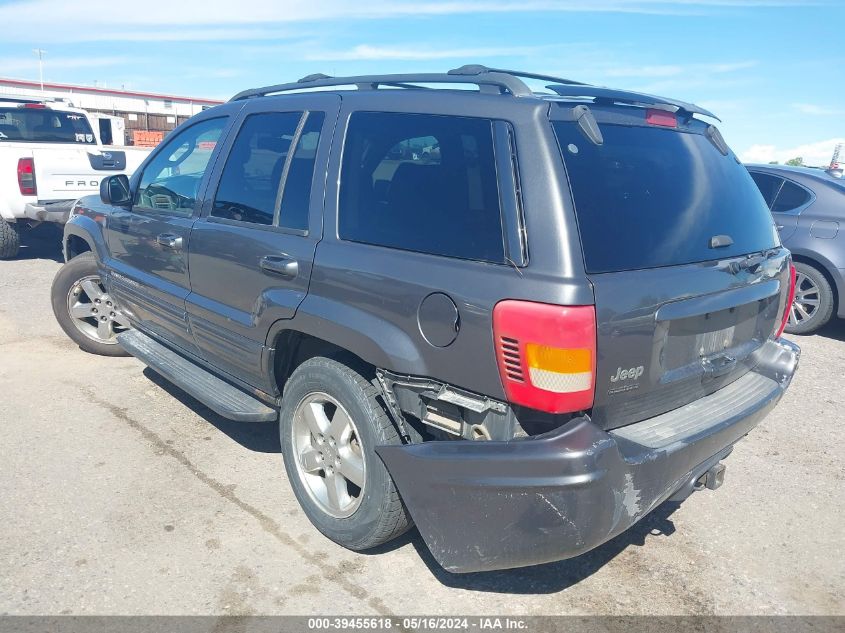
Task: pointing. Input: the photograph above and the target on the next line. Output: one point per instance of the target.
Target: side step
(217, 394)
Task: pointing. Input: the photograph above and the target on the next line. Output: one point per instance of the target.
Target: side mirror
(115, 191)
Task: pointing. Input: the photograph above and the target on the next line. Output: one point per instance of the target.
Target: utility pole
(40, 52)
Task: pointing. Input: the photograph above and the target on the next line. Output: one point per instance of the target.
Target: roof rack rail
(477, 69)
(487, 80)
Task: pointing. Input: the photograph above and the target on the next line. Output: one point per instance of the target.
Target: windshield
(42, 125)
(650, 197)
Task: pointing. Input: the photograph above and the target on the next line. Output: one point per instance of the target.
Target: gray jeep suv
(521, 320)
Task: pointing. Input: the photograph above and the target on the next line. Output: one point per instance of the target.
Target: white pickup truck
(49, 157)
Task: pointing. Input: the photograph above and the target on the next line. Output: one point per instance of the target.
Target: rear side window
(253, 171)
(790, 196)
(650, 197)
(422, 183)
(263, 178)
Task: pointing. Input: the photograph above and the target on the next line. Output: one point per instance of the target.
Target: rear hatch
(687, 269)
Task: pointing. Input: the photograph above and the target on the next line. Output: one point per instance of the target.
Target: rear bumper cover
(495, 505)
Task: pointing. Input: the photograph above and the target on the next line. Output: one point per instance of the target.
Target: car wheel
(329, 425)
(84, 309)
(813, 305)
(10, 239)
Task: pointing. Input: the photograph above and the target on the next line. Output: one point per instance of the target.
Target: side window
(768, 186)
(296, 196)
(253, 171)
(422, 183)
(171, 181)
(791, 197)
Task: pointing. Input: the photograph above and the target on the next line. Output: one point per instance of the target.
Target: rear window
(650, 197)
(43, 125)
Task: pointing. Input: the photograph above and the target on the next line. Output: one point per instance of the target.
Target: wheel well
(823, 270)
(76, 246)
(294, 348)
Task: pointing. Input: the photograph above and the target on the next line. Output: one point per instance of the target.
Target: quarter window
(172, 179)
(768, 185)
(422, 183)
(790, 197)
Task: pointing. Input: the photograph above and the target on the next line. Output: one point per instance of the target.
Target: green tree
(773, 162)
(795, 162)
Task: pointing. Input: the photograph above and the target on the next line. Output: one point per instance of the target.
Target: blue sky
(773, 70)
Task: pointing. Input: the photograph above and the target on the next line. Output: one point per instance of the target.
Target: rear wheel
(813, 305)
(10, 239)
(85, 310)
(329, 425)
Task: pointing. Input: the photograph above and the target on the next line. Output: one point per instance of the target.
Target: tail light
(546, 354)
(26, 177)
(790, 297)
(661, 118)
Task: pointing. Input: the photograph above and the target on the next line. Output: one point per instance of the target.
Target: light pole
(40, 52)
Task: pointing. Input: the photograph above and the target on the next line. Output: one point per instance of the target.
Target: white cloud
(367, 52)
(817, 154)
(101, 20)
(27, 66)
(674, 70)
(817, 110)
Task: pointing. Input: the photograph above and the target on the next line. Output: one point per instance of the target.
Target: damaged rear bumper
(495, 505)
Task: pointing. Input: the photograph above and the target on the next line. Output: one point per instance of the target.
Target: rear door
(149, 241)
(252, 250)
(683, 256)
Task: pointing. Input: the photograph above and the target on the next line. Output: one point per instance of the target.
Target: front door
(149, 241)
(252, 249)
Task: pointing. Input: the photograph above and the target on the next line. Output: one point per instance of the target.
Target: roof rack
(497, 83)
(488, 80)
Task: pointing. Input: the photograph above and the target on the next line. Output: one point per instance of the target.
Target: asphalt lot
(122, 495)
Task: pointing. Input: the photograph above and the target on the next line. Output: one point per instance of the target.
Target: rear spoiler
(624, 96)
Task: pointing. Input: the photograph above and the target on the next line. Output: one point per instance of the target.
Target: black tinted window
(652, 197)
(297, 186)
(790, 197)
(172, 179)
(250, 181)
(422, 183)
(44, 125)
(768, 185)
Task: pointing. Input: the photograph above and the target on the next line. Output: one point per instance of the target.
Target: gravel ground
(122, 495)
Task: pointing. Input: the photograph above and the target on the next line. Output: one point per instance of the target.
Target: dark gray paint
(226, 313)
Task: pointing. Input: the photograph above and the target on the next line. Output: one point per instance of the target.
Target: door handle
(168, 240)
(779, 227)
(280, 265)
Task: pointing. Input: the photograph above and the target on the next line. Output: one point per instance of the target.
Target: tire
(10, 239)
(816, 309)
(376, 514)
(77, 286)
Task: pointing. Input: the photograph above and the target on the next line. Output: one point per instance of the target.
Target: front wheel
(84, 309)
(329, 425)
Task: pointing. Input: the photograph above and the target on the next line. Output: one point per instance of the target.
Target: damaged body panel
(494, 505)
